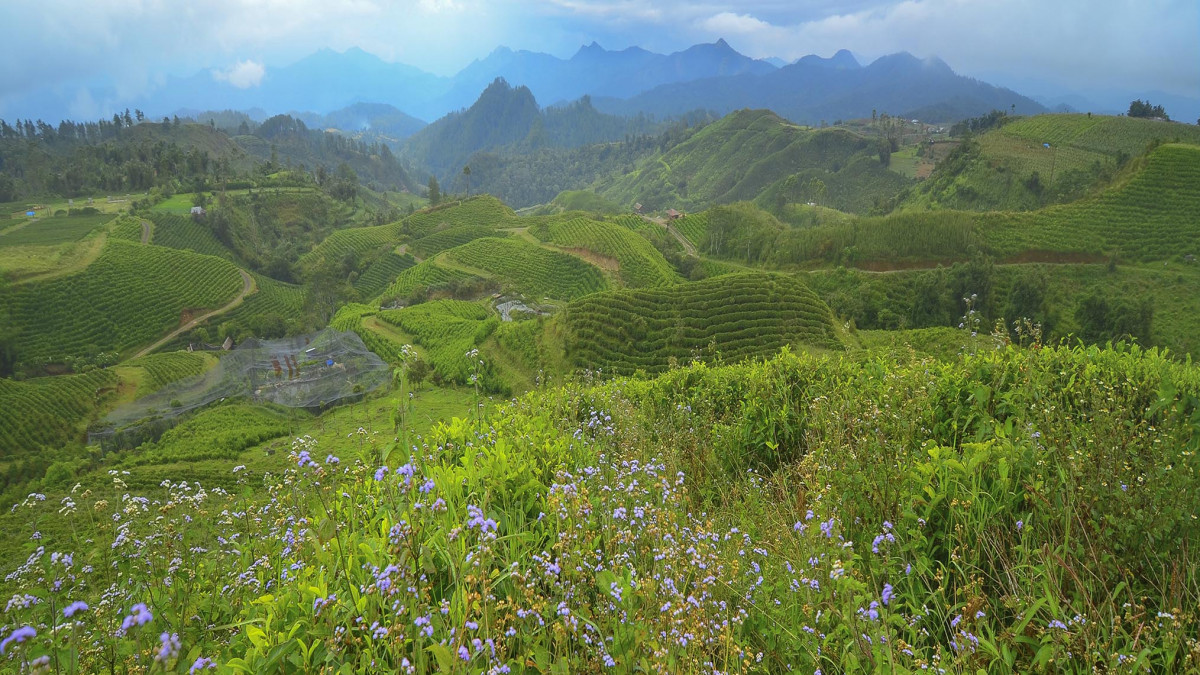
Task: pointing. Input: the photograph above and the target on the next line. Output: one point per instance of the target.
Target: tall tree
(435, 192)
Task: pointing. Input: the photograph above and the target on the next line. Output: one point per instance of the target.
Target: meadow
(1016, 510)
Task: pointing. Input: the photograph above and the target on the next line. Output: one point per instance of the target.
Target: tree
(435, 192)
(467, 177)
(1144, 109)
(139, 115)
(885, 152)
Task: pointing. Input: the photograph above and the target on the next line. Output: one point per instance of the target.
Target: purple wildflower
(202, 663)
(168, 647)
(18, 636)
(77, 606)
(138, 616)
(886, 596)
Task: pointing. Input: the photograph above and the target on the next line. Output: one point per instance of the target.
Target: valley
(723, 373)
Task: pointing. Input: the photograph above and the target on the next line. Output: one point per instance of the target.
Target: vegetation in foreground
(1020, 510)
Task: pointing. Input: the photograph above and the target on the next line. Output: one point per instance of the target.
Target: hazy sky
(59, 45)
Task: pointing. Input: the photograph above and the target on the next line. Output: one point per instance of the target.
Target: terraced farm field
(382, 273)
(360, 240)
(1099, 133)
(352, 317)
(442, 240)
(426, 274)
(184, 232)
(640, 264)
(53, 230)
(272, 299)
(167, 367)
(1153, 216)
(485, 211)
(733, 317)
(530, 269)
(448, 330)
(49, 412)
(131, 295)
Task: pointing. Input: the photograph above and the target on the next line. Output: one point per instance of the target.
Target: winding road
(687, 245)
(248, 286)
(145, 232)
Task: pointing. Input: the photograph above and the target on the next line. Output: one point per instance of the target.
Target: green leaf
(444, 658)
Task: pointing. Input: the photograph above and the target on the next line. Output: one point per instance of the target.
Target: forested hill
(131, 155)
(507, 117)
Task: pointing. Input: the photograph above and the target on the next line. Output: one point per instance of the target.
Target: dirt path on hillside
(687, 245)
(248, 286)
(145, 232)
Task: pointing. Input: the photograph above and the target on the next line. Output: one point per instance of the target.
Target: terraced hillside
(131, 295)
(381, 273)
(1011, 167)
(639, 264)
(441, 240)
(357, 241)
(184, 232)
(529, 269)
(49, 412)
(739, 156)
(448, 330)
(425, 276)
(483, 210)
(1153, 214)
(731, 317)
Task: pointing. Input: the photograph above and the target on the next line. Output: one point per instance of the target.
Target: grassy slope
(739, 156)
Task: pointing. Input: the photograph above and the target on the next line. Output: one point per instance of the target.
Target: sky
(60, 46)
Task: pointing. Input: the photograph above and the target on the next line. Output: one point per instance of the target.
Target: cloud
(243, 75)
(728, 23)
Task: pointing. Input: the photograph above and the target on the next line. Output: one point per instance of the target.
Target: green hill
(1010, 167)
(131, 295)
(741, 155)
(638, 264)
(730, 318)
(482, 210)
(528, 269)
(1151, 214)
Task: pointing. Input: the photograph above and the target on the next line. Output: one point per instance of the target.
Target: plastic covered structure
(311, 371)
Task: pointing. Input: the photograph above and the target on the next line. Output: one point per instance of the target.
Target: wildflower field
(1018, 510)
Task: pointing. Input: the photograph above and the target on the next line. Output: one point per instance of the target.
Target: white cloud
(243, 75)
(728, 23)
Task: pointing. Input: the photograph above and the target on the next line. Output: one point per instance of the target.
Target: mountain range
(625, 82)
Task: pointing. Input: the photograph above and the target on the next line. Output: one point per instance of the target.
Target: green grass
(54, 230)
(179, 204)
(131, 295)
(530, 269)
(640, 264)
(1017, 497)
(728, 318)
